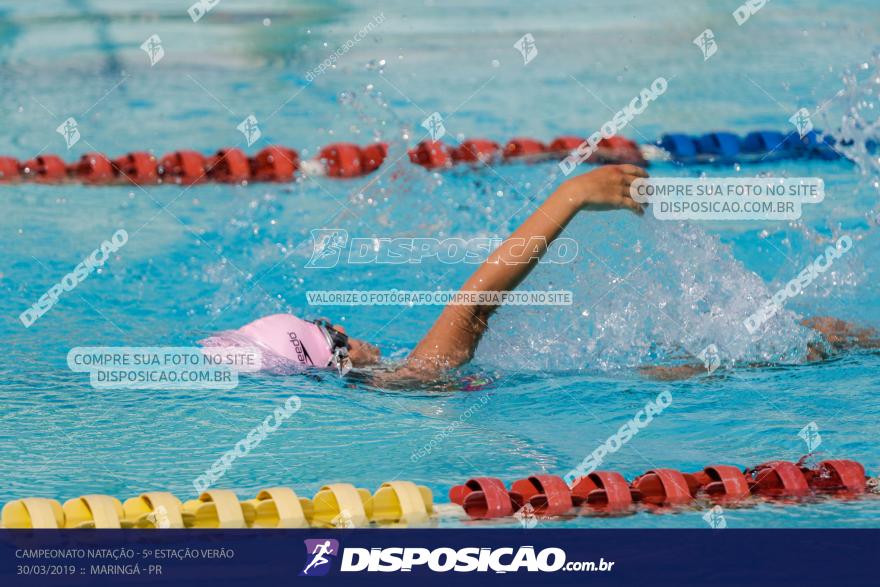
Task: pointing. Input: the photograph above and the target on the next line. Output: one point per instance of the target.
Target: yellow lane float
(280, 507)
(402, 502)
(218, 508)
(341, 505)
(94, 511)
(336, 505)
(155, 509)
(33, 512)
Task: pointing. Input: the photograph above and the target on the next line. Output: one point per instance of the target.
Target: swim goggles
(338, 343)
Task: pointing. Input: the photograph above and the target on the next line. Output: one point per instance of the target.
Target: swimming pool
(562, 379)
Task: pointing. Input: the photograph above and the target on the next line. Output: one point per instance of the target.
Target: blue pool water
(562, 379)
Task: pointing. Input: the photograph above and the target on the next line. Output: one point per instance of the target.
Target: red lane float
(618, 150)
(483, 497)
(275, 163)
(10, 169)
(666, 487)
(608, 491)
(564, 145)
(777, 479)
(603, 489)
(45, 169)
(341, 160)
(183, 167)
(140, 168)
(547, 494)
(723, 481)
(431, 155)
(836, 476)
(93, 168)
(372, 157)
(521, 147)
(475, 151)
(229, 166)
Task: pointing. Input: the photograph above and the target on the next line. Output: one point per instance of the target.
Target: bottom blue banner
(434, 557)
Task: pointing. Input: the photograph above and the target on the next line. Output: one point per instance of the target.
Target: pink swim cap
(296, 340)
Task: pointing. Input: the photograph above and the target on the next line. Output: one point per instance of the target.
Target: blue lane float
(756, 147)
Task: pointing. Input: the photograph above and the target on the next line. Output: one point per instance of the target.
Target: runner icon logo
(318, 554)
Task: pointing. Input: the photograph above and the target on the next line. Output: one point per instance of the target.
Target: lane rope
(403, 503)
(277, 163)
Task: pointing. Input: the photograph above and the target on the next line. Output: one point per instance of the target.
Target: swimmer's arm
(453, 338)
(837, 335)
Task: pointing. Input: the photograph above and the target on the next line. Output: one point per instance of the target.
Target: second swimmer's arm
(453, 338)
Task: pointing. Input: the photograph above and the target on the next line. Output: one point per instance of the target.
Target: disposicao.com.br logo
(318, 551)
(443, 559)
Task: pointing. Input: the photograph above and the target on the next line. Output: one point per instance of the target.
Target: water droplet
(267, 21)
(496, 63)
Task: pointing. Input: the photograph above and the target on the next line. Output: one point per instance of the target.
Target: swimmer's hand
(605, 188)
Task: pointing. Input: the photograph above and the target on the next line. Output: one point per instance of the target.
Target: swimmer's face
(361, 353)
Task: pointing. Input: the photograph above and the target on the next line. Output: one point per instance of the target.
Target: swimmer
(454, 337)
(452, 340)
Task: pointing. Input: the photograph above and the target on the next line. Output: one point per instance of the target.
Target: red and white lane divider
(281, 164)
